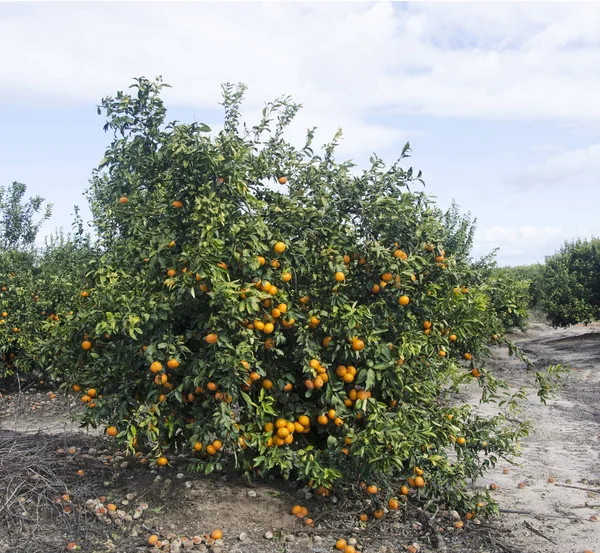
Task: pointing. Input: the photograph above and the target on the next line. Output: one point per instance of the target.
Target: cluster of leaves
(570, 284)
(269, 306)
(531, 277)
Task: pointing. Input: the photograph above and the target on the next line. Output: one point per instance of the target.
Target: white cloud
(522, 244)
(498, 60)
(575, 169)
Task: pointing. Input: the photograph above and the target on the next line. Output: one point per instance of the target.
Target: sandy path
(565, 444)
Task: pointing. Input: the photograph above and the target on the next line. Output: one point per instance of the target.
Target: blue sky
(498, 99)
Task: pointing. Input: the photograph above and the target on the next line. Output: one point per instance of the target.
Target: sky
(498, 100)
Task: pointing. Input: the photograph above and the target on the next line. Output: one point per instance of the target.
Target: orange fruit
(171, 272)
(461, 441)
(216, 534)
(210, 450)
(419, 482)
(296, 509)
(279, 247)
(393, 504)
(304, 420)
(76, 388)
(387, 277)
(282, 180)
(152, 539)
(112, 431)
(372, 489)
(261, 260)
(92, 392)
(212, 338)
(452, 337)
(267, 384)
(269, 328)
(86, 345)
(197, 446)
(468, 356)
(172, 363)
(322, 419)
(286, 277)
(156, 367)
(364, 517)
(404, 490)
(162, 461)
(339, 276)
(403, 300)
(217, 445)
(358, 345)
(123, 200)
(340, 544)
(379, 513)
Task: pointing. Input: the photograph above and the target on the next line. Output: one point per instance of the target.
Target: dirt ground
(40, 444)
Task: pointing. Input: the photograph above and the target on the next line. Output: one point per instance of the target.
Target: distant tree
(20, 219)
(571, 283)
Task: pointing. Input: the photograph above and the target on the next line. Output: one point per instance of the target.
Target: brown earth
(36, 435)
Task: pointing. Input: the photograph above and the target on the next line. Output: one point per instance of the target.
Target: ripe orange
(162, 461)
(364, 517)
(197, 446)
(375, 289)
(340, 544)
(86, 345)
(267, 384)
(177, 204)
(279, 247)
(461, 441)
(296, 509)
(468, 356)
(172, 363)
(152, 539)
(123, 200)
(339, 276)
(171, 272)
(404, 490)
(419, 482)
(358, 345)
(286, 277)
(112, 431)
(282, 180)
(212, 338)
(372, 489)
(393, 504)
(379, 513)
(403, 300)
(217, 445)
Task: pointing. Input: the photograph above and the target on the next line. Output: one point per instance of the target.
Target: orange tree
(270, 307)
(570, 283)
(20, 220)
(36, 284)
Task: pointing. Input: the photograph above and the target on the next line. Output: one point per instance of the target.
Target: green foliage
(571, 284)
(18, 227)
(35, 284)
(188, 271)
(532, 275)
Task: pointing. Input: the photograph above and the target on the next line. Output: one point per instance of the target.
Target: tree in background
(571, 283)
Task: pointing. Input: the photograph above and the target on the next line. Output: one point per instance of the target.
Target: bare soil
(41, 451)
